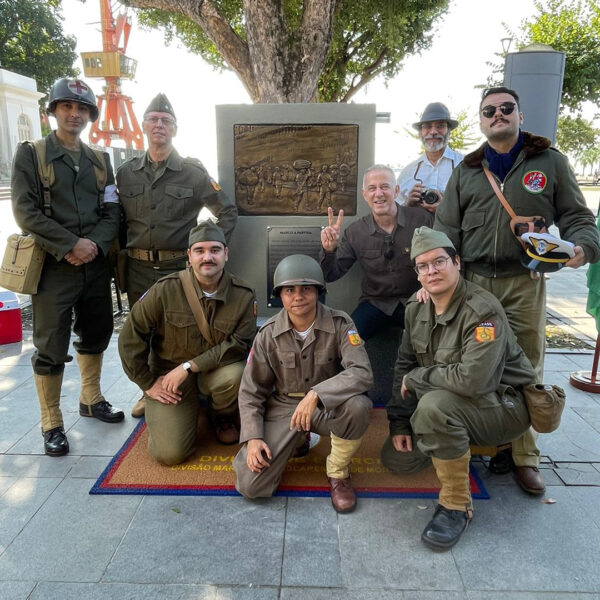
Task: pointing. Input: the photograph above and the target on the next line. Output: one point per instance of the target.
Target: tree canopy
(575, 135)
(32, 41)
(298, 50)
(572, 27)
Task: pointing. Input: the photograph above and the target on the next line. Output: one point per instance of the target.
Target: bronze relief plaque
(295, 169)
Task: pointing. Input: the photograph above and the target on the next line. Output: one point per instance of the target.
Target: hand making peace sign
(331, 233)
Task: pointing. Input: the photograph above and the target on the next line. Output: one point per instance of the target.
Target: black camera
(429, 197)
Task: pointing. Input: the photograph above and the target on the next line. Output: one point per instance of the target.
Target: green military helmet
(298, 269)
(69, 88)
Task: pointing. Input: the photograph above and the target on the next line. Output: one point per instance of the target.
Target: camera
(429, 197)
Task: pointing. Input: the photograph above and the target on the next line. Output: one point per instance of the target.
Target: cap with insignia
(160, 103)
(206, 231)
(426, 239)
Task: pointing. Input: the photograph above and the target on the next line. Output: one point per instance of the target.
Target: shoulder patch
(485, 332)
(354, 338)
(534, 181)
(215, 185)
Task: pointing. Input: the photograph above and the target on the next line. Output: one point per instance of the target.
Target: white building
(19, 116)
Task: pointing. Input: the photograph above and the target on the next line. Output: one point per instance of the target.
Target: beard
(435, 143)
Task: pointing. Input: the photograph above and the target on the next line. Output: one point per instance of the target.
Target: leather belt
(154, 256)
(293, 394)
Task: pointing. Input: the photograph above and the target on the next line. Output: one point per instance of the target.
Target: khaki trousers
(172, 427)
(348, 421)
(524, 302)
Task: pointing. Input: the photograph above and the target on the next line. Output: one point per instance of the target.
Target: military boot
(91, 401)
(48, 391)
(343, 497)
(455, 508)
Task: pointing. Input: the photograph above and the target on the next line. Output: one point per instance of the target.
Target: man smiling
(380, 242)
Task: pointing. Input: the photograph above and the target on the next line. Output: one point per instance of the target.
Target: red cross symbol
(77, 87)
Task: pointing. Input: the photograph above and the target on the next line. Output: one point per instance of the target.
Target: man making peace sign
(380, 242)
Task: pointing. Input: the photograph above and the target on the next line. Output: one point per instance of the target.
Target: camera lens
(429, 197)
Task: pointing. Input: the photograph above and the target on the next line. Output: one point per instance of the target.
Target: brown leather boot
(343, 497)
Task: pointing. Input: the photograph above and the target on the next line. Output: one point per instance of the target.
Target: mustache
(214, 264)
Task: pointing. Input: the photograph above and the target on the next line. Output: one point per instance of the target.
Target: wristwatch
(187, 366)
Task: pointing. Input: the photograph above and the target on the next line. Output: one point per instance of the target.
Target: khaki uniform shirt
(162, 206)
(76, 212)
(385, 282)
(469, 350)
(161, 331)
(332, 361)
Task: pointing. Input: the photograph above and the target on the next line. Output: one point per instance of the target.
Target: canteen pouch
(545, 404)
(22, 264)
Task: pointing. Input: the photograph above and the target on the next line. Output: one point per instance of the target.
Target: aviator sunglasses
(506, 108)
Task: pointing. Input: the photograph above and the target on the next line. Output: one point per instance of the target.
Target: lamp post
(506, 42)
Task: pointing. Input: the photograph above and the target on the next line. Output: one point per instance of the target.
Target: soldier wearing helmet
(307, 371)
(162, 194)
(64, 195)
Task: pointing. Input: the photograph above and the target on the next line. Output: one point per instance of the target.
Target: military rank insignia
(215, 185)
(485, 332)
(354, 338)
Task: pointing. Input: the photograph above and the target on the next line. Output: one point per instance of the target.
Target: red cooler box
(11, 329)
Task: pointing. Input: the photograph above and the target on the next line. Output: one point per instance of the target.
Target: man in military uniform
(308, 371)
(162, 195)
(380, 242)
(75, 222)
(190, 332)
(457, 381)
(535, 179)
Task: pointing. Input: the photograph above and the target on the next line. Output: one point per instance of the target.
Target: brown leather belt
(293, 394)
(154, 256)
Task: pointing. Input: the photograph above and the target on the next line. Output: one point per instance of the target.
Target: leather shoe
(55, 442)
(502, 463)
(226, 430)
(343, 497)
(303, 448)
(103, 411)
(445, 528)
(139, 410)
(530, 480)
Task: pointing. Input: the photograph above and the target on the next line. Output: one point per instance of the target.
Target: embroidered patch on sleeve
(215, 185)
(485, 332)
(354, 338)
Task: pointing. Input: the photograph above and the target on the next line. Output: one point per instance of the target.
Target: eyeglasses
(439, 264)
(167, 121)
(506, 108)
(388, 251)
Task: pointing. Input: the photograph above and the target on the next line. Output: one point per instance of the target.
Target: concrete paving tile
(307, 593)
(19, 416)
(553, 534)
(209, 540)
(89, 467)
(573, 441)
(91, 437)
(314, 519)
(583, 361)
(520, 595)
(18, 354)
(91, 528)
(5, 483)
(591, 415)
(559, 362)
(380, 536)
(247, 593)
(20, 503)
(36, 466)
(109, 591)
(578, 473)
(16, 590)
(11, 377)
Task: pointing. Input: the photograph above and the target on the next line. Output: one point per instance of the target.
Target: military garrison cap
(206, 231)
(426, 239)
(160, 103)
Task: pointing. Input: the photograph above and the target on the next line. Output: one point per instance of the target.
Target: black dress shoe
(103, 411)
(55, 442)
(502, 463)
(445, 528)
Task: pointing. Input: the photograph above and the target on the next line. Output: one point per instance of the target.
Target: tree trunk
(276, 64)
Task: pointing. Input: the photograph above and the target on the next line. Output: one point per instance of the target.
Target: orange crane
(117, 119)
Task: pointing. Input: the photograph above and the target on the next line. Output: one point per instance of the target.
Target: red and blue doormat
(209, 471)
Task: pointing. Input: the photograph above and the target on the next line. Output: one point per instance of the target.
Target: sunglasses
(506, 108)
(388, 250)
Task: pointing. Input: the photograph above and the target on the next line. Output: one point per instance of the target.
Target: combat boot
(91, 401)
(454, 510)
(343, 497)
(48, 390)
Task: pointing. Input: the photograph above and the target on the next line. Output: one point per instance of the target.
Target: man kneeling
(307, 371)
(457, 382)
